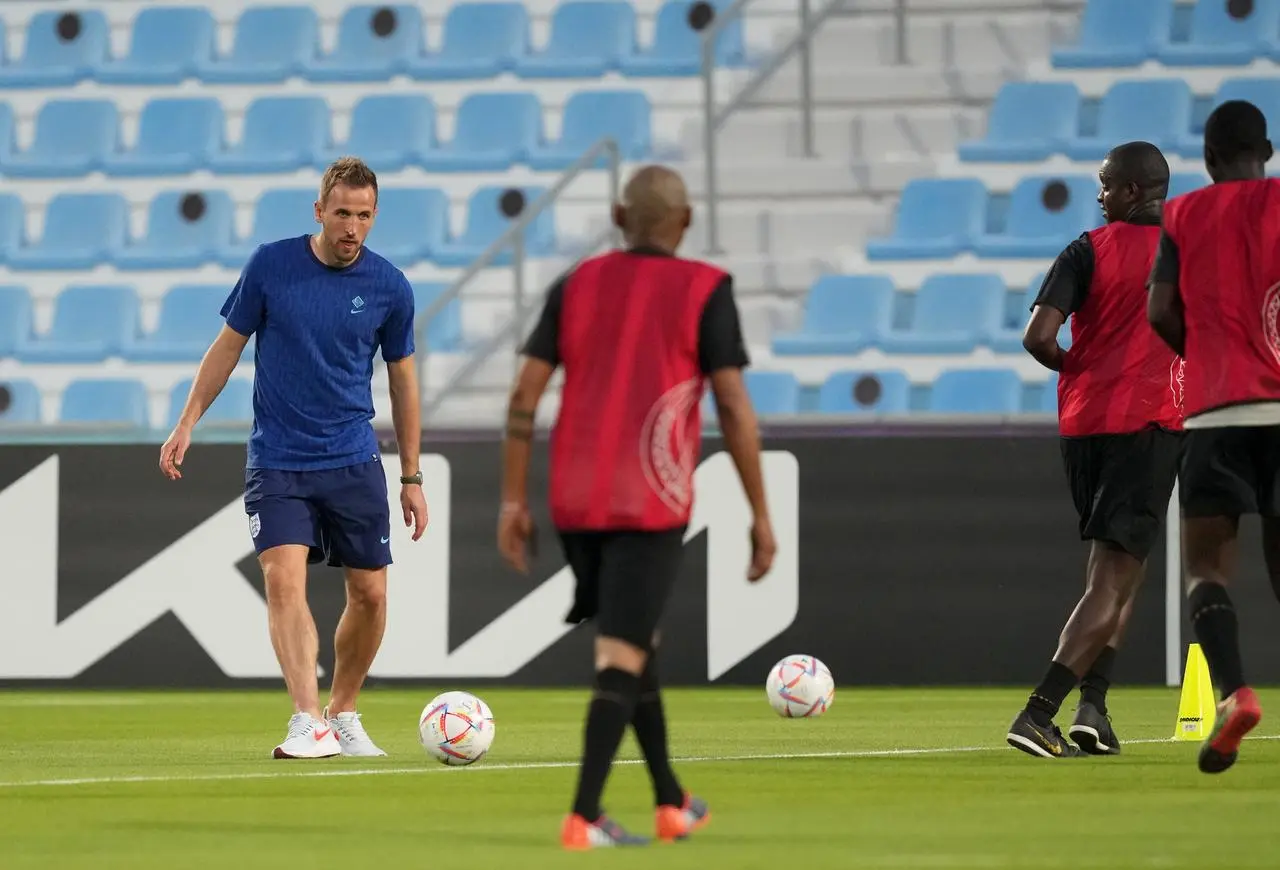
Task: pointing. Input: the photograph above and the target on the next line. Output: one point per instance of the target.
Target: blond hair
(351, 171)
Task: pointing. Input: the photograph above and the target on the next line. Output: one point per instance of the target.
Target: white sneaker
(308, 737)
(351, 735)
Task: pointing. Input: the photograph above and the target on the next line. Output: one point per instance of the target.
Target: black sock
(1093, 688)
(650, 725)
(1213, 617)
(1044, 702)
(611, 709)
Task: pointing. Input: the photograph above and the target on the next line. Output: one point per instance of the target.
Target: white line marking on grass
(428, 767)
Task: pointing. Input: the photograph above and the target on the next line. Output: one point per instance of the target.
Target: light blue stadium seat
(167, 46)
(481, 40)
(1008, 339)
(388, 131)
(8, 127)
(1185, 182)
(1155, 111)
(588, 39)
(1118, 33)
(953, 314)
(676, 49)
(413, 223)
(444, 332)
(374, 44)
(271, 44)
(1045, 213)
(937, 218)
(189, 322)
(491, 133)
(73, 137)
(592, 115)
(278, 214)
(976, 391)
(489, 212)
(1029, 121)
(15, 318)
(1049, 396)
(1262, 92)
(117, 402)
(23, 403)
(13, 220)
(176, 136)
(184, 231)
(80, 231)
(773, 392)
(1218, 38)
(59, 49)
(90, 324)
(233, 407)
(870, 392)
(280, 134)
(843, 314)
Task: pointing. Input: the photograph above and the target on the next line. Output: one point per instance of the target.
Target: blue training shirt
(318, 328)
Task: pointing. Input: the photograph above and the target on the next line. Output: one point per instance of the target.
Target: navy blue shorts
(342, 514)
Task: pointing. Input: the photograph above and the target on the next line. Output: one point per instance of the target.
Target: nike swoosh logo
(357, 311)
(384, 540)
(320, 735)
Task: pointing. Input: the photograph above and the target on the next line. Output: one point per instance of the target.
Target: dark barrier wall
(913, 560)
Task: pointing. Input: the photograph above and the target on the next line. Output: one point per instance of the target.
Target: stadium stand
(147, 148)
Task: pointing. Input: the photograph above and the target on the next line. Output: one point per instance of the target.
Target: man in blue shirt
(315, 488)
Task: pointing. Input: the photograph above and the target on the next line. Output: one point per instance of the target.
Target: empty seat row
(1127, 33)
(124, 402)
(1034, 120)
(949, 314)
(95, 323)
(176, 136)
(375, 42)
(956, 391)
(121, 402)
(941, 218)
(189, 229)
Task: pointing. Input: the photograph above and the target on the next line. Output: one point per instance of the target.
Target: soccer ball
(800, 687)
(456, 728)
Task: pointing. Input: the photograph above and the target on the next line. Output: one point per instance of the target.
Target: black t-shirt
(1067, 282)
(720, 341)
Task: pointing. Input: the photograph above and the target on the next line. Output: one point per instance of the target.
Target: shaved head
(1134, 181)
(655, 208)
(1139, 163)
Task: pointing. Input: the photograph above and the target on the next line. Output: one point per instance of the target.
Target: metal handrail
(512, 237)
(713, 120)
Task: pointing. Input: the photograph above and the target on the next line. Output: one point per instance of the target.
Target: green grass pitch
(905, 778)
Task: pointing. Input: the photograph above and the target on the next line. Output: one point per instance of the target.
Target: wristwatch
(415, 478)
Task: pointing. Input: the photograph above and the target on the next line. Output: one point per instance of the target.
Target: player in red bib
(638, 332)
(1215, 299)
(1120, 419)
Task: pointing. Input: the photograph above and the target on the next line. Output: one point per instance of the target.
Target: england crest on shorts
(255, 525)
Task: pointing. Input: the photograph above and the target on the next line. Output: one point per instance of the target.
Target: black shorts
(623, 579)
(1121, 485)
(1231, 471)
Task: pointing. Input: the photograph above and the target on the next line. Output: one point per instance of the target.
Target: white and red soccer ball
(800, 687)
(456, 728)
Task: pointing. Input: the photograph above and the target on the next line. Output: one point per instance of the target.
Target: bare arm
(219, 362)
(1165, 313)
(1040, 339)
(406, 413)
(741, 435)
(517, 445)
(1164, 298)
